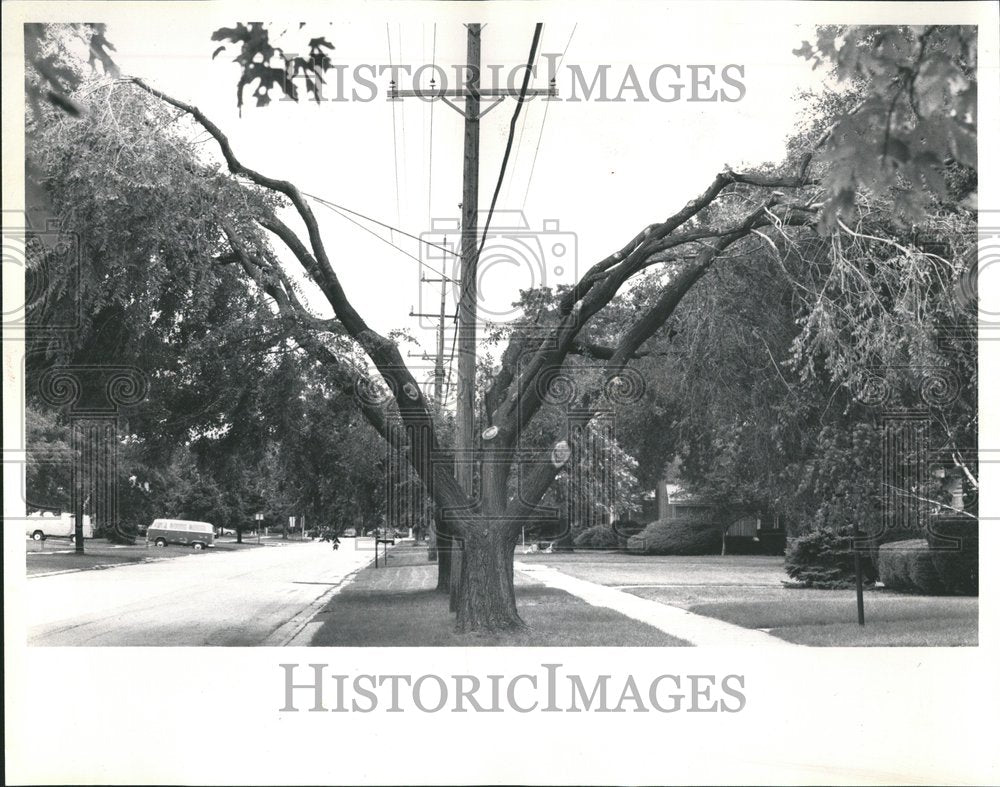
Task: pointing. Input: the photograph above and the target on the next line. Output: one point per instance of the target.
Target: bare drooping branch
(601, 352)
(655, 316)
(515, 396)
(651, 233)
(269, 278)
(296, 246)
(652, 319)
(412, 407)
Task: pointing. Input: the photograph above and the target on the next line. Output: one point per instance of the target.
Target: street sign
(259, 517)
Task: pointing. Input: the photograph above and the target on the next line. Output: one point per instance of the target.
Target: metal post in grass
(858, 576)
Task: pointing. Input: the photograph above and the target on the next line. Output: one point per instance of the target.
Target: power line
(510, 134)
(451, 355)
(454, 343)
(545, 116)
(430, 162)
(395, 153)
(402, 109)
(506, 155)
(343, 212)
(330, 204)
(503, 169)
(517, 148)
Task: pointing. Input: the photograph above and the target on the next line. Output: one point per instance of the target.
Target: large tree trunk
(443, 551)
(485, 598)
(454, 575)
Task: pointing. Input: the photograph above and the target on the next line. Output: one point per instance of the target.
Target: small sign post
(258, 518)
(858, 576)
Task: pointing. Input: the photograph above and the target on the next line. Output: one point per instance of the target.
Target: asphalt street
(259, 596)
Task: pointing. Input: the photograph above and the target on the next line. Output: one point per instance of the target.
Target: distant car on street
(181, 531)
(350, 533)
(46, 524)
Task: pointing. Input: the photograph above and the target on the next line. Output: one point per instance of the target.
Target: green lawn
(748, 591)
(890, 619)
(397, 607)
(929, 633)
(58, 554)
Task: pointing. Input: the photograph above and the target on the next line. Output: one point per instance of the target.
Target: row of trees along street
(737, 333)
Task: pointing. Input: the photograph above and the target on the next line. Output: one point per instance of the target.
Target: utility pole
(439, 356)
(468, 294)
(441, 316)
(439, 362)
(466, 394)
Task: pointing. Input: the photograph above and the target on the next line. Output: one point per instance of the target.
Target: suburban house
(751, 531)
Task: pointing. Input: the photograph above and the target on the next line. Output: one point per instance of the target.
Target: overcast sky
(602, 171)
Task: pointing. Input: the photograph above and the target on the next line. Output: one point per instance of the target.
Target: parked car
(350, 533)
(181, 531)
(46, 524)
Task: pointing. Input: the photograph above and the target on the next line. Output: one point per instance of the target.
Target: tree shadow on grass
(360, 617)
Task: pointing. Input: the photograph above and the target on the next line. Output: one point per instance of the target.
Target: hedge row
(678, 537)
(945, 562)
(599, 537)
(908, 565)
(955, 553)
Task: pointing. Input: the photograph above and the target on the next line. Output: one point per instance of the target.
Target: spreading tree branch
(412, 407)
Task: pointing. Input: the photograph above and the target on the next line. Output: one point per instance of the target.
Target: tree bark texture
(485, 600)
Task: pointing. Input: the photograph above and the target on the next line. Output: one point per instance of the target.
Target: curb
(100, 567)
(300, 630)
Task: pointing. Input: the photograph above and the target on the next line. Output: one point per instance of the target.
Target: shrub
(892, 566)
(823, 558)
(909, 565)
(627, 527)
(955, 553)
(678, 537)
(599, 537)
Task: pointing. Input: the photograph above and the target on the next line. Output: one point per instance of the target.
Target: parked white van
(46, 524)
(181, 531)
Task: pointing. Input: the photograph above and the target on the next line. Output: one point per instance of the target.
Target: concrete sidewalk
(697, 629)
